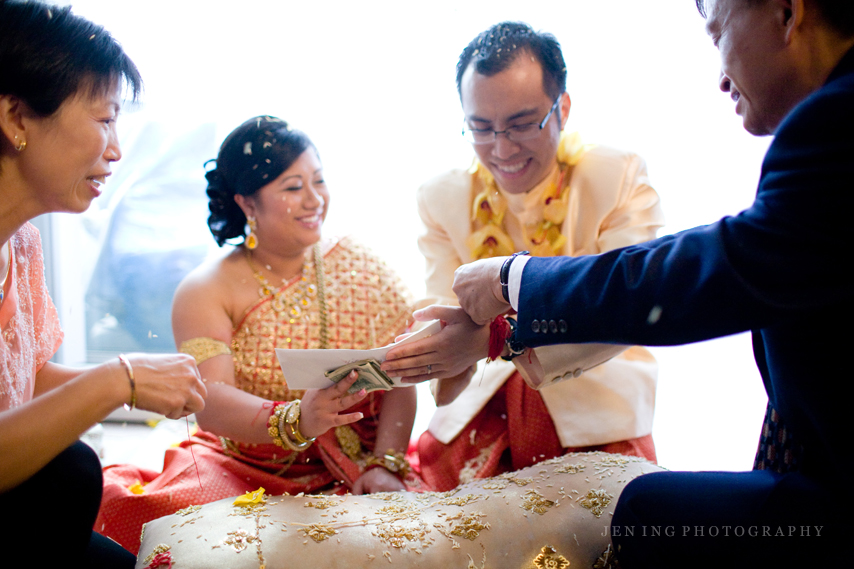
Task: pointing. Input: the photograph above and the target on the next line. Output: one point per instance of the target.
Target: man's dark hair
(47, 54)
(838, 14)
(494, 50)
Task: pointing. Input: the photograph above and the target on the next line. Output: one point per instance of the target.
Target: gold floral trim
(349, 442)
(204, 348)
(549, 558)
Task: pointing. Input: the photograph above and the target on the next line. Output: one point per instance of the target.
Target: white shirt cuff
(514, 280)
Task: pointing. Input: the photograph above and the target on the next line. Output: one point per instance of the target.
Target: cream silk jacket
(611, 205)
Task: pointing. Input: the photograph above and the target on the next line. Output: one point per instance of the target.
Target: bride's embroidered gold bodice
(367, 306)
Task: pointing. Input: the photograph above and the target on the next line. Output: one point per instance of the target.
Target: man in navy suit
(779, 269)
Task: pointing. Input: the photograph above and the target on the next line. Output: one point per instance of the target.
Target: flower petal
(250, 498)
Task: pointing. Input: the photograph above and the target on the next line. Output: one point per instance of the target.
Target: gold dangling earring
(21, 145)
(251, 240)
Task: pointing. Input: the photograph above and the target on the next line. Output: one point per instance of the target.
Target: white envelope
(304, 369)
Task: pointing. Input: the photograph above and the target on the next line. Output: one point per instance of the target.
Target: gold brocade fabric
(203, 348)
(367, 307)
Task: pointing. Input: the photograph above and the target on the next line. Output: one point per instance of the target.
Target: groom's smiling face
(510, 98)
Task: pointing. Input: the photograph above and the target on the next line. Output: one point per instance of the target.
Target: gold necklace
(307, 291)
(8, 271)
(543, 239)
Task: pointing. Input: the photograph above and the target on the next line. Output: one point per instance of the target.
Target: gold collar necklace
(307, 291)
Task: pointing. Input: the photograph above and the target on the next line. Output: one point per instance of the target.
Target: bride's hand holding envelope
(322, 409)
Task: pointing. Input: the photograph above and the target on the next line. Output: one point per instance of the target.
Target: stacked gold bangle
(283, 426)
(125, 363)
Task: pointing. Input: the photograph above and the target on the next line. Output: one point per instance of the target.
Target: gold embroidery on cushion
(549, 558)
(596, 501)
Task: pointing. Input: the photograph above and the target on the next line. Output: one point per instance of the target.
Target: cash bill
(371, 376)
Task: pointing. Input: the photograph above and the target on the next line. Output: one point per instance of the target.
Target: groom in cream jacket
(532, 188)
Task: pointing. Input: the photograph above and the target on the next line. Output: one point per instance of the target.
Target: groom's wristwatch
(504, 274)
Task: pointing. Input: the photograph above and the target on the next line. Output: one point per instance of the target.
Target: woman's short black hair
(47, 54)
(495, 49)
(252, 156)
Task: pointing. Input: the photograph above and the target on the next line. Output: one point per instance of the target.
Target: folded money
(305, 369)
(371, 376)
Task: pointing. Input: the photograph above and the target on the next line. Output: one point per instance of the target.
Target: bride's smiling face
(291, 209)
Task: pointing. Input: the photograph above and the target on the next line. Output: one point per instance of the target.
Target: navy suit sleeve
(786, 255)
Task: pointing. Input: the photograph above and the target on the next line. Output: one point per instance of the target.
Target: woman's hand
(451, 352)
(377, 480)
(168, 384)
(321, 409)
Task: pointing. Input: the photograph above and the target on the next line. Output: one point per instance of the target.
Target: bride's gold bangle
(297, 435)
(285, 418)
(273, 429)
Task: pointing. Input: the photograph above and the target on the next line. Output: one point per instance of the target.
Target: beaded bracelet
(504, 274)
(125, 363)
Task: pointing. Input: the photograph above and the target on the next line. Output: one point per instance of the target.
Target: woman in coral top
(60, 94)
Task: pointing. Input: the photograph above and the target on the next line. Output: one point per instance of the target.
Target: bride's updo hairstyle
(252, 156)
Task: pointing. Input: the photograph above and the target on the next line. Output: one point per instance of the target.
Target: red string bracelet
(499, 331)
(193, 454)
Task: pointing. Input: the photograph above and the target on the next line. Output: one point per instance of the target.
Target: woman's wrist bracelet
(394, 462)
(283, 420)
(125, 363)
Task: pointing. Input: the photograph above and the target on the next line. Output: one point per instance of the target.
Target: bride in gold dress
(282, 287)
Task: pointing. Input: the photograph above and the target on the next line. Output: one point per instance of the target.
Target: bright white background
(373, 84)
